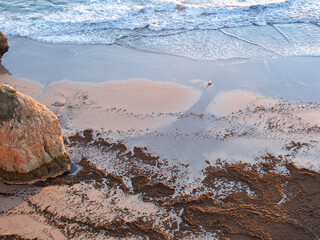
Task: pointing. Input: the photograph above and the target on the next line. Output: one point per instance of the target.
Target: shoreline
(157, 153)
(292, 78)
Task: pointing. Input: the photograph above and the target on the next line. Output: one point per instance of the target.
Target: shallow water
(293, 78)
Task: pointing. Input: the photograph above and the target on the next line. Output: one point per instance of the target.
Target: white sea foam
(141, 24)
(59, 18)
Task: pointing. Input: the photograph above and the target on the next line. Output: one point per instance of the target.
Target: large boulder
(3, 44)
(31, 143)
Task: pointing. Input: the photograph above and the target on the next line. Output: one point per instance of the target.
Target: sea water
(198, 29)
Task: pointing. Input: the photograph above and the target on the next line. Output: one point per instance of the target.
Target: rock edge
(4, 46)
(31, 142)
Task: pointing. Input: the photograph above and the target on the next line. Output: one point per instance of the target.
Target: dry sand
(164, 160)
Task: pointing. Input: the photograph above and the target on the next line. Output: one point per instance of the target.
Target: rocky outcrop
(31, 143)
(3, 70)
(3, 44)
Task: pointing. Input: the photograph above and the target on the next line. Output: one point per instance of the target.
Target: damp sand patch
(124, 105)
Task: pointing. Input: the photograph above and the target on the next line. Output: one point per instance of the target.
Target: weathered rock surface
(3, 70)
(3, 44)
(31, 143)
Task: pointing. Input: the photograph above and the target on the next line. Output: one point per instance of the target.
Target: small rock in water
(31, 143)
(209, 83)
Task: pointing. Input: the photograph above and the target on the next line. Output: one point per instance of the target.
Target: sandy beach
(158, 154)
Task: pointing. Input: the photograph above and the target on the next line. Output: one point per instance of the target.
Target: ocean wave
(40, 19)
(148, 24)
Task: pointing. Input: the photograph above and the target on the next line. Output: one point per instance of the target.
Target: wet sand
(171, 159)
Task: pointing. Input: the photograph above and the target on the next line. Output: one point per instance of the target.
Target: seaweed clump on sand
(282, 207)
(271, 206)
